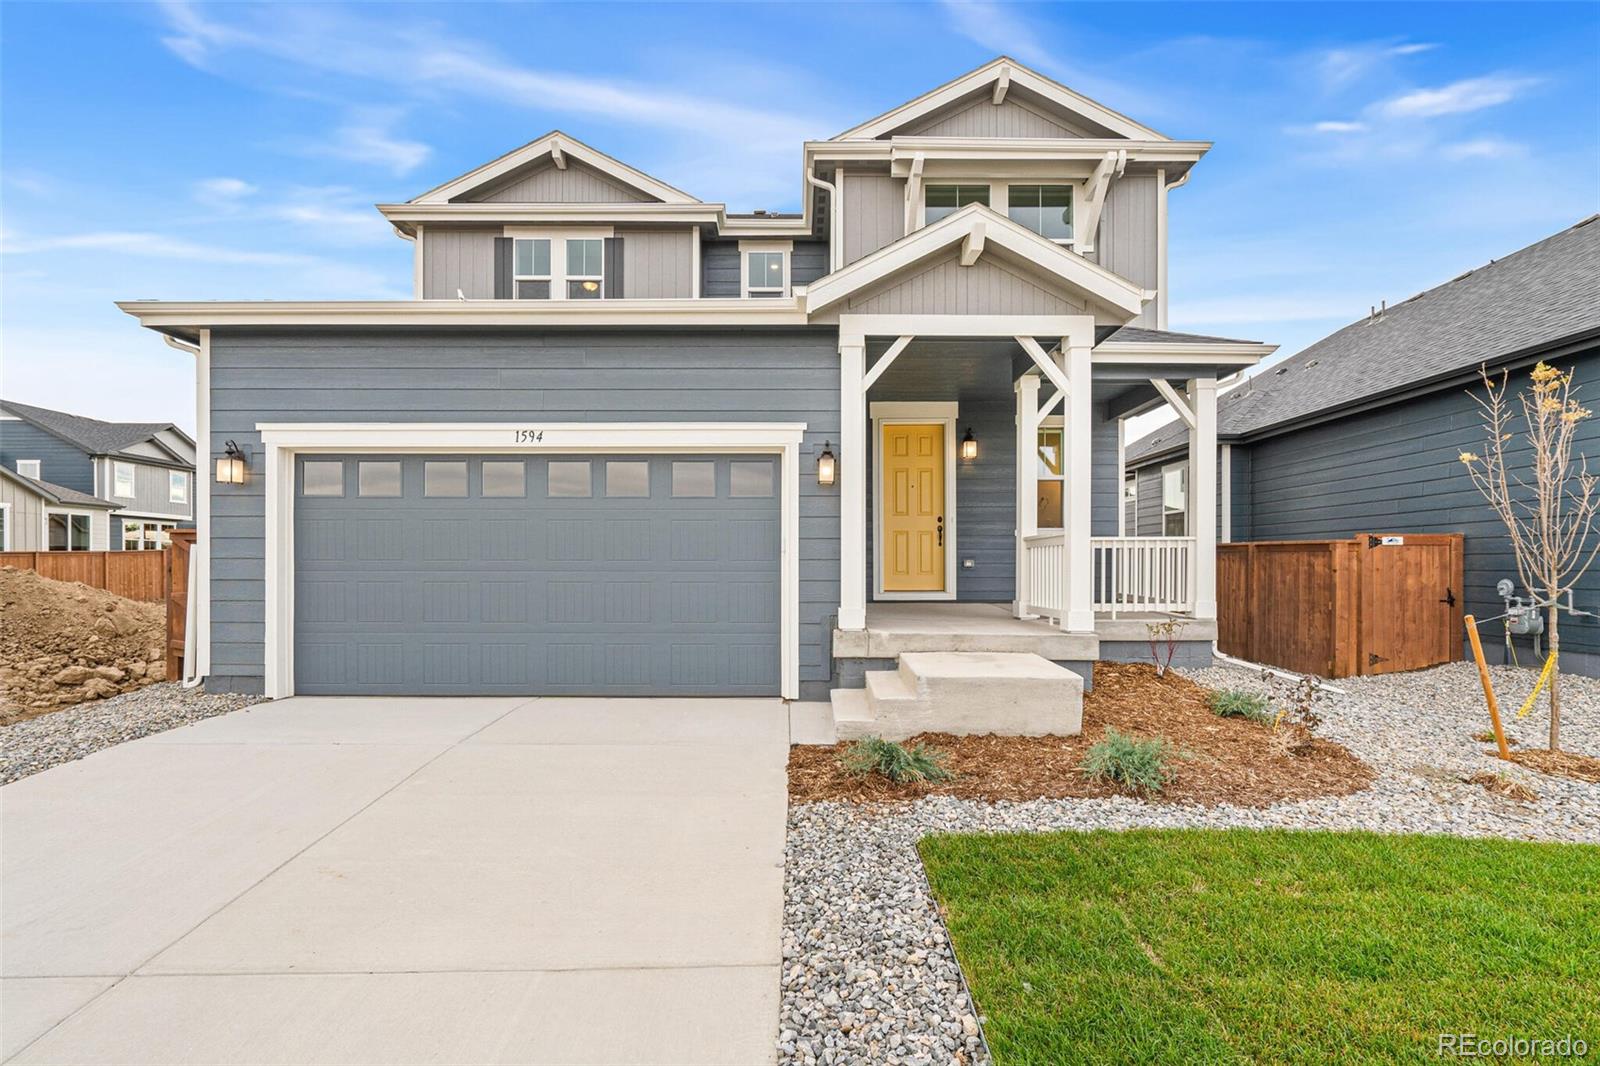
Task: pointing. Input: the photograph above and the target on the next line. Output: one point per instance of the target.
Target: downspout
(416, 259)
(834, 251)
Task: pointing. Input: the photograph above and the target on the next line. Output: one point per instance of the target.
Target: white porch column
(852, 484)
(1203, 496)
(1079, 616)
(1027, 483)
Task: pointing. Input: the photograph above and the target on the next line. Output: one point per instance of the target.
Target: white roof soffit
(1213, 353)
(989, 76)
(977, 227)
(559, 147)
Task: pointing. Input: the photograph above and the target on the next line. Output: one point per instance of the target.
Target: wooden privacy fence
(137, 575)
(1374, 604)
(175, 571)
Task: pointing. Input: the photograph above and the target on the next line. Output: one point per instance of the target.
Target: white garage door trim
(283, 441)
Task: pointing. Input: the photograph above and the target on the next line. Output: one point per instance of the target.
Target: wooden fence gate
(179, 544)
(1375, 604)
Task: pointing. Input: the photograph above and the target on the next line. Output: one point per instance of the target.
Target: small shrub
(1164, 637)
(1134, 764)
(1502, 784)
(900, 764)
(1237, 703)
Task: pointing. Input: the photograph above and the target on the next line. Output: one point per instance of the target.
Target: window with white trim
(177, 486)
(1175, 500)
(146, 536)
(941, 200)
(122, 480)
(69, 532)
(28, 468)
(586, 270)
(1045, 209)
(1130, 505)
(1052, 480)
(531, 268)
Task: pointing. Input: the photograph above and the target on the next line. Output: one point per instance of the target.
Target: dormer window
(532, 268)
(1045, 209)
(942, 200)
(766, 268)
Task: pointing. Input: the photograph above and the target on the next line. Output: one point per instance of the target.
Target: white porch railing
(1130, 574)
(1142, 573)
(1047, 569)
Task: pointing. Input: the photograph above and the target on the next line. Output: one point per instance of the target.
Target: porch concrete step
(852, 719)
(1008, 693)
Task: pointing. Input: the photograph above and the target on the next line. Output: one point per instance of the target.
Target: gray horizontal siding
(494, 376)
(719, 266)
(1397, 469)
(458, 258)
(60, 463)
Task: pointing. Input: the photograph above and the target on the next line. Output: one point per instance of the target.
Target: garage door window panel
(322, 477)
(747, 479)
(627, 478)
(446, 479)
(378, 479)
(694, 480)
(505, 478)
(569, 478)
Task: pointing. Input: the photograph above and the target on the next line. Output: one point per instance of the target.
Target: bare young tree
(1551, 517)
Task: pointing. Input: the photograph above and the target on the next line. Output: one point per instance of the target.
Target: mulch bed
(1230, 760)
(1561, 763)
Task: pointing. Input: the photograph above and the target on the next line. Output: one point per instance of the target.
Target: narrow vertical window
(531, 268)
(585, 268)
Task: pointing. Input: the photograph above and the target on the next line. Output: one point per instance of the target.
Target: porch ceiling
(959, 368)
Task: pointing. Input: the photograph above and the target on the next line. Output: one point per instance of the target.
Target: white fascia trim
(1077, 330)
(161, 315)
(985, 77)
(570, 148)
(1000, 149)
(1074, 270)
(413, 214)
(1111, 353)
(282, 441)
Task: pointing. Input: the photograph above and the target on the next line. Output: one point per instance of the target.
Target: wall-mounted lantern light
(230, 468)
(827, 466)
(969, 446)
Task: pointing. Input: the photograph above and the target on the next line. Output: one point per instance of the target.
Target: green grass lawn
(1240, 946)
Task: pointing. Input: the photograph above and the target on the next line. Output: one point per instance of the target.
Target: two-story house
(123, 485)
(625, 441)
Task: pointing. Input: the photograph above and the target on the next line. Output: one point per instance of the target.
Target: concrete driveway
(404, 880)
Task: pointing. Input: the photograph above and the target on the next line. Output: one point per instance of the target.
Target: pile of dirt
(1226, 760)
(62, 643)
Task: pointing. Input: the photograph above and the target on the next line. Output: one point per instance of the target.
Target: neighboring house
(37, 516)
(624, 441)
(1362, 431)
(145, 469)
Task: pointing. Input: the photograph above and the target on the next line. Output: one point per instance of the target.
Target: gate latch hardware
(1449, 597)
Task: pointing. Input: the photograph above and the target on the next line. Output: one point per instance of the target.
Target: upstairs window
(1045, 209)
(531, 268)
(766, 268)
(1175, 500)
(122, 480)
(28, 468)
(585, 268)
(177, 486)
(942, 200)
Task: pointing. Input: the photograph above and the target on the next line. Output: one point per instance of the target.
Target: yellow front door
(913, 508)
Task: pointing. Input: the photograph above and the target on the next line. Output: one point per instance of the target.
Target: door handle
(940, 530)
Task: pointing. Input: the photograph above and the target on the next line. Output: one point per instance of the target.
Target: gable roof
(52, 493)
(559, 147)
(997, 77)
(1543, 295)
(974, 227)
(91, 434)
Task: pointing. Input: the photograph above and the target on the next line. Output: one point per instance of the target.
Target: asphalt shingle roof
(58, 493)
(90, 434)
(1534, 297)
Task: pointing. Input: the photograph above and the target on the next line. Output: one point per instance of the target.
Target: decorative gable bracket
(1111, 166)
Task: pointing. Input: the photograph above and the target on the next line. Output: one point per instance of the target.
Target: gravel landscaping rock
(36, 744)
(869, 976)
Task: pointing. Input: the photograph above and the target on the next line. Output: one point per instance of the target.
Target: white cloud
(149, 245)
(1459, 97)
(370, 138)
(1340, 67)
(1336, 126)
(223, 192)
(1484, 148)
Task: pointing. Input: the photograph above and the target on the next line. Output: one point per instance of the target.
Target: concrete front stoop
(1008, 693)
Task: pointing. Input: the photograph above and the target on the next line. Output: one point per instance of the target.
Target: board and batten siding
(24, 517)
(983, 118)
(1128, 242)
(523, 377)
(657, 263)
(874, 213)
(549, 184)
(1397, 469)
(150, 489)
(60, 463)
(458, 258)
(945, 287)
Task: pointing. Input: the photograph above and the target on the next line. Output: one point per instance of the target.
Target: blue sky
(191, 151)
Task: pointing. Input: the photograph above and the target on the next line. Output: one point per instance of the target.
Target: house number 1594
(529, 436)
